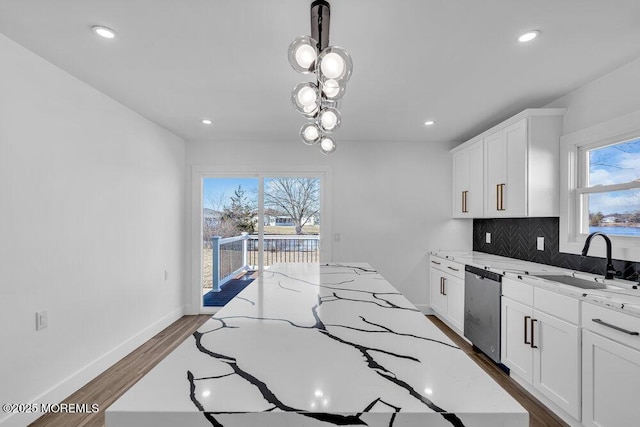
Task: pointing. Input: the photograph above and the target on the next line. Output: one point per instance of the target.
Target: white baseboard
(81, 377)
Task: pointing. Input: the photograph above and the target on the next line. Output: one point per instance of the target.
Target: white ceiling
(458, 62)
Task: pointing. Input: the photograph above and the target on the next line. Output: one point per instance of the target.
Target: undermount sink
(573, 281)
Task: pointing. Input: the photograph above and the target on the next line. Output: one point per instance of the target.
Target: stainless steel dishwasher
(482, 293)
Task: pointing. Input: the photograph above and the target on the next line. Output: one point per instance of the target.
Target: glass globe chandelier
(332, 66)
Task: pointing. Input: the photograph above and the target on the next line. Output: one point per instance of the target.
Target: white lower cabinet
(516, 351)
(610, 368)
(556, 361)
(541, 342)
(447, 291)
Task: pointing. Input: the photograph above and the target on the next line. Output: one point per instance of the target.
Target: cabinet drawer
(560, 306)
(453, 268)
(517, 291)
(612, 319)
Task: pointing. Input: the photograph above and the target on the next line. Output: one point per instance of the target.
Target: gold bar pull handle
(500, 196)
(464, 202)
(444, 286)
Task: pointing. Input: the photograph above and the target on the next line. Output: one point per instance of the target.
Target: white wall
(610, 96)
(91, 214)
(391, 203)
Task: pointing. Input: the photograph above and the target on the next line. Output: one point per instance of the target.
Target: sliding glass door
(249, 223)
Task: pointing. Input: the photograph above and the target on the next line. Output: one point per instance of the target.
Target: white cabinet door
(515, 338)
(468, 182)
(610, 381)
(438, 298)
(454, 288)
(506, 171)
(556, 361)
(514, 192)
(494, 161)
(460, 184)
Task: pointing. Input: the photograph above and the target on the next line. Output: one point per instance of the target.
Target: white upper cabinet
(468, 178)
(506, 171)
(519, 164)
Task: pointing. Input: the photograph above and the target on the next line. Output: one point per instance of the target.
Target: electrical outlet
(487, 238)
(41, 320)
(166, 275)
(540, 243)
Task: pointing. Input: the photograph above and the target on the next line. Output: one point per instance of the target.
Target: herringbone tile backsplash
(516, 238)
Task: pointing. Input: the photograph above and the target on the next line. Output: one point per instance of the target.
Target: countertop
(625, 299)
(310, 345)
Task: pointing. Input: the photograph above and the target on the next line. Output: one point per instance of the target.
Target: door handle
(441, 284)
(464, 202)
(533, 345)
(498, 197)
(501, 198)
(526, 320)
(617, 328)
(444, 288)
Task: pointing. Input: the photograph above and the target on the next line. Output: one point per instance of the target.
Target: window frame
(573, 179)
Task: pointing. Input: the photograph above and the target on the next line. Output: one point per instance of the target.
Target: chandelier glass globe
(327, 145)
(303, 54)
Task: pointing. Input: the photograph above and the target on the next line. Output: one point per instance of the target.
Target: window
(600, 187)
(609, 188)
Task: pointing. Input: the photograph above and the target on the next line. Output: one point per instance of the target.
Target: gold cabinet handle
(500, 197)
(444, 289)
(464, 202)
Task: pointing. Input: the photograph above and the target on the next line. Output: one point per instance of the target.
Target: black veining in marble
(516, 238)
(366, 352)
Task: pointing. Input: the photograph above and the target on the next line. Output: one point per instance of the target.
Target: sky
(213, 187)
(615, 164)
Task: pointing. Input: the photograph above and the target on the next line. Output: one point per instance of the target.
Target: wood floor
(107, 387)
(111, 384)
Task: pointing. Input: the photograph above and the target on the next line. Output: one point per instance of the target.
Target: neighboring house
(285, 221)
(610, 220)
(211, 217)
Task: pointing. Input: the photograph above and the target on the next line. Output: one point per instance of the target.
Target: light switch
(487, 238)
(540, 243)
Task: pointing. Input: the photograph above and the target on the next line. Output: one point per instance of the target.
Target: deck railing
(285, 248)
(232, 255)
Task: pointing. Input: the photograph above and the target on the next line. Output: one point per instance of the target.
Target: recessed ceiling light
(206, 122)
(528, 36)
(429, 123)
(105, 32)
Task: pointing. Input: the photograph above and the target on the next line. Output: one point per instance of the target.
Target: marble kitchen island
(310, 345)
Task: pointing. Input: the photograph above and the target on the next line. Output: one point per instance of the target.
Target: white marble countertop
(310, 345)
(621, 295)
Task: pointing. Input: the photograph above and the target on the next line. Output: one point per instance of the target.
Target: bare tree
(299, 198)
